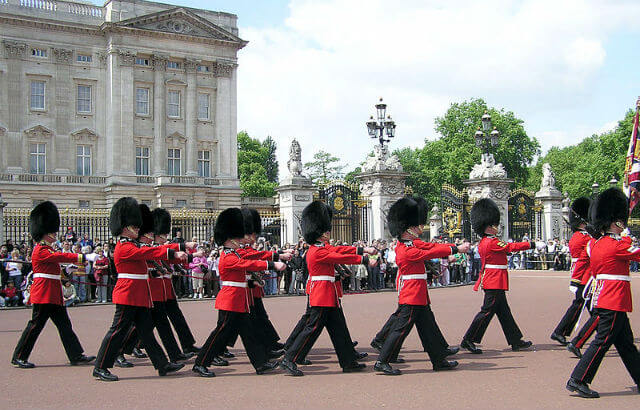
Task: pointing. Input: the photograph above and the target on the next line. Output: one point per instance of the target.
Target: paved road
(498, 379)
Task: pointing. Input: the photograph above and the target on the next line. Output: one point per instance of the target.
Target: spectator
(69, 294)
(101, 275)
(213, 270)
(14, 269)
(71, 236)
(10, 295)
(198, 268)
(85, 241)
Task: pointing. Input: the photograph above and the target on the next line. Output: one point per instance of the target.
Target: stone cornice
(51, 25)
(224, 68)
(108, 28)
(126, 57)
(159, 62)
(190, 65)
(38, 131)
(15, 49)
(63, 55)
(85, 135)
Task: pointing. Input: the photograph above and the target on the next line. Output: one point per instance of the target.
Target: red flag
(632, 166)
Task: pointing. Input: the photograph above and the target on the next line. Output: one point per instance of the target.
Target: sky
(313, 69)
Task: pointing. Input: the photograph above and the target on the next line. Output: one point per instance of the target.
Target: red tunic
(580, 272)
(610, 255)
(252, 254)
(156, 285)
(412, 290)
(130, 259)
(321, 259)
(234, 294)
(45, 261)
(493, 254)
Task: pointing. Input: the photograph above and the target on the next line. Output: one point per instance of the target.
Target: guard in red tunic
(494, 278)
(405, 223)
(323, 297)
(609, 260)
(580, 273)
(131, 294)
(46, 290)
(233, 300)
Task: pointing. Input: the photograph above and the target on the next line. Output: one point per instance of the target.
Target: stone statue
(295, 159)
(487, 168)
(381, 161)
(548, 180)
(566, 201)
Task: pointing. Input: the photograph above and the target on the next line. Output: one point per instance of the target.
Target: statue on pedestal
(487, 168)
(295, 159)
(548, 180)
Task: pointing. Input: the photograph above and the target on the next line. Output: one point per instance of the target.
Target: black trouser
(41, 313)
(613, 329)
(269, 332)
(124, 318)
(130, 341)
(381, 336)
(161, 323)
(319, 318)
(229, 324)
(179, 323)
(422, 317)
(304, 319)
(586, 331)
(495, 302)
(570, 318)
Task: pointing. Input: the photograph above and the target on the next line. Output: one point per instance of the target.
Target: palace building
(134, 98)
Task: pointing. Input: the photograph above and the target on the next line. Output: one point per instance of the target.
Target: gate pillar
(383, 188)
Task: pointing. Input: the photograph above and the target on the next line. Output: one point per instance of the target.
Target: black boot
(397, 360)
(104, 375)
(470, 346)
(277, 346)
(290, 367)
(267, 367)
(354, 367)
(191, 349)
(138, 353)
(183, 357)
(521, 345)
(82, 360)
(218, 361)
(559, 338)
(361, 355)
(274, 354)
(122, 362)
(445, 365)
(203, 371)
(227, 354)
(386, 369)
(573, 349)
(582, 389)
(170, 368)
(450, 351)
(23, 364)
(304, 362)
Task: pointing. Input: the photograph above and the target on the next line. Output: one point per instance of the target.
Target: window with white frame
(39, 52)
(181, 203)
(173, 64)
(142, 61)
(204, 164)
(37, 158)
(203, 68)
(203, 106)
(173, 104)
(83, 160)
(83, 204)
(84, 58)
(173, 162)
(37, 95)
(84, 99)
(142, 160)
(142, 101)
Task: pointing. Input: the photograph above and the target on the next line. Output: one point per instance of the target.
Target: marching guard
(232, 301)
(46, 290)
(324, 301)
(405, 223)
(494, 279)
(609, 260)
(131, 294)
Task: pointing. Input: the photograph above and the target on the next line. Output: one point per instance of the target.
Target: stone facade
(133, 98)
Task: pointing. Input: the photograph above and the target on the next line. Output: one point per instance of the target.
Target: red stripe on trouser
(404, 332)
(615, 315)
(485, 316)
(206, 353)
(588, 333)
(307, 339)
(109, 342)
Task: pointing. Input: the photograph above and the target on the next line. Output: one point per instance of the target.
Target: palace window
(203, 68)
(142, 101)
(142, 160)
(203, 106)
(84, 58)
(173, 162)
(39, 52)
(37, 95)
(83, 160)
(181, 203)
(173, 64)
(84, 99)
(173, 104)
(142, 61)
(204, 164)
(37, 158)
(82, 204)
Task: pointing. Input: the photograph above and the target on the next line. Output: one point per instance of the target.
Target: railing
(211, 181)
(145, 180)
(54, 179)
(57, 6)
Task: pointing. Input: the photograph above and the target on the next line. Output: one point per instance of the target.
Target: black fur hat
(161, 221)
(125, 212)
(147, 220)
(257, 221)
(579, 213)
(610, 206)
(424, 209)
(484, 213)
(229, 225)
(316, 220)
(404, 213)
(44, 219)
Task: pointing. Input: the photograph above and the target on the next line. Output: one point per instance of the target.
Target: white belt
(46, 276)
(574, 259)
(139, 276)
(325, 278)
(234, 284)
(166, 276)
(613, 277)
(412, 277)
(489, 266)
(247, 277)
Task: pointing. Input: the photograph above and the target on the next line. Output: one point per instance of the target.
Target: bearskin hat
(484, 213)
(44, 219)
(404, 213)
(147, 220)
(229, 225)
(610, 206)
(125, 212)
(257, 221)
(424, 209)
(316, 220)
(161, 221)
(579, 213)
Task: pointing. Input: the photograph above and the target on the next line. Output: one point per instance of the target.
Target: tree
(449, 159)
(595, 159)
(324, 168)
(271, 165)
(252, 157)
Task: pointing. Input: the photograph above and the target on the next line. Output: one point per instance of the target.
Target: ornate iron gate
(350, 216)
(522, 209)
(455, 212)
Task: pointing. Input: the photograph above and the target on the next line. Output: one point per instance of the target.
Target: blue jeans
(81, 288)
(101, 291)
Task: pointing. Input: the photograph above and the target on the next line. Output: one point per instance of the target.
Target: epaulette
(408, 243)
(123, 240)
(502, 244)
(228, 250)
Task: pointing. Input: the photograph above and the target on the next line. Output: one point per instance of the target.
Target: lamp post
(380, 127)
(486, 137)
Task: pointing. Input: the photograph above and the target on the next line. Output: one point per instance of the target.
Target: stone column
(126, 144)
(225, 117)
(435, 222)
(191, 119)
(63, 109)
(295, 193)
(382, 187)
(159, 115)
(566, 209)
(15, 53)
(551, 200)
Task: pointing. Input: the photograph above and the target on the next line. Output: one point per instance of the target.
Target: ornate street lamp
(381, 127)
(486, 137)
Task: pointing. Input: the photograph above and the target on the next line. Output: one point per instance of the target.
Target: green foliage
(324, 168)
(594, 159)
(449, 159)
(271, 165)
(254, 158)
